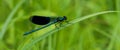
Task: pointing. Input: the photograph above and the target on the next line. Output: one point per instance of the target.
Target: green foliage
(92, 25)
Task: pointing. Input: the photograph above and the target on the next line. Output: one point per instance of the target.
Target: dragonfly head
(62, 18)
(65, 18)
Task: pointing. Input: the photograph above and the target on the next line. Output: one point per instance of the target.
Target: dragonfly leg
(56, 25)
(67, 22)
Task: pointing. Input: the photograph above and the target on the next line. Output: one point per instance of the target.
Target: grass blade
(10, 16)
(34, 41)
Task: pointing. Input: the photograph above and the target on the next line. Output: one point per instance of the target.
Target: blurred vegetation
(101, 32)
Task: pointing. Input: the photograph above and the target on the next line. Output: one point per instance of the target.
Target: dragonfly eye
(40, 20)
(65, 18)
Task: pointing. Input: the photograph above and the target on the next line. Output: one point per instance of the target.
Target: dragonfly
(46, 21)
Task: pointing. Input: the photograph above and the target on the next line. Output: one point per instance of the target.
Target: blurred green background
(97, 33)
